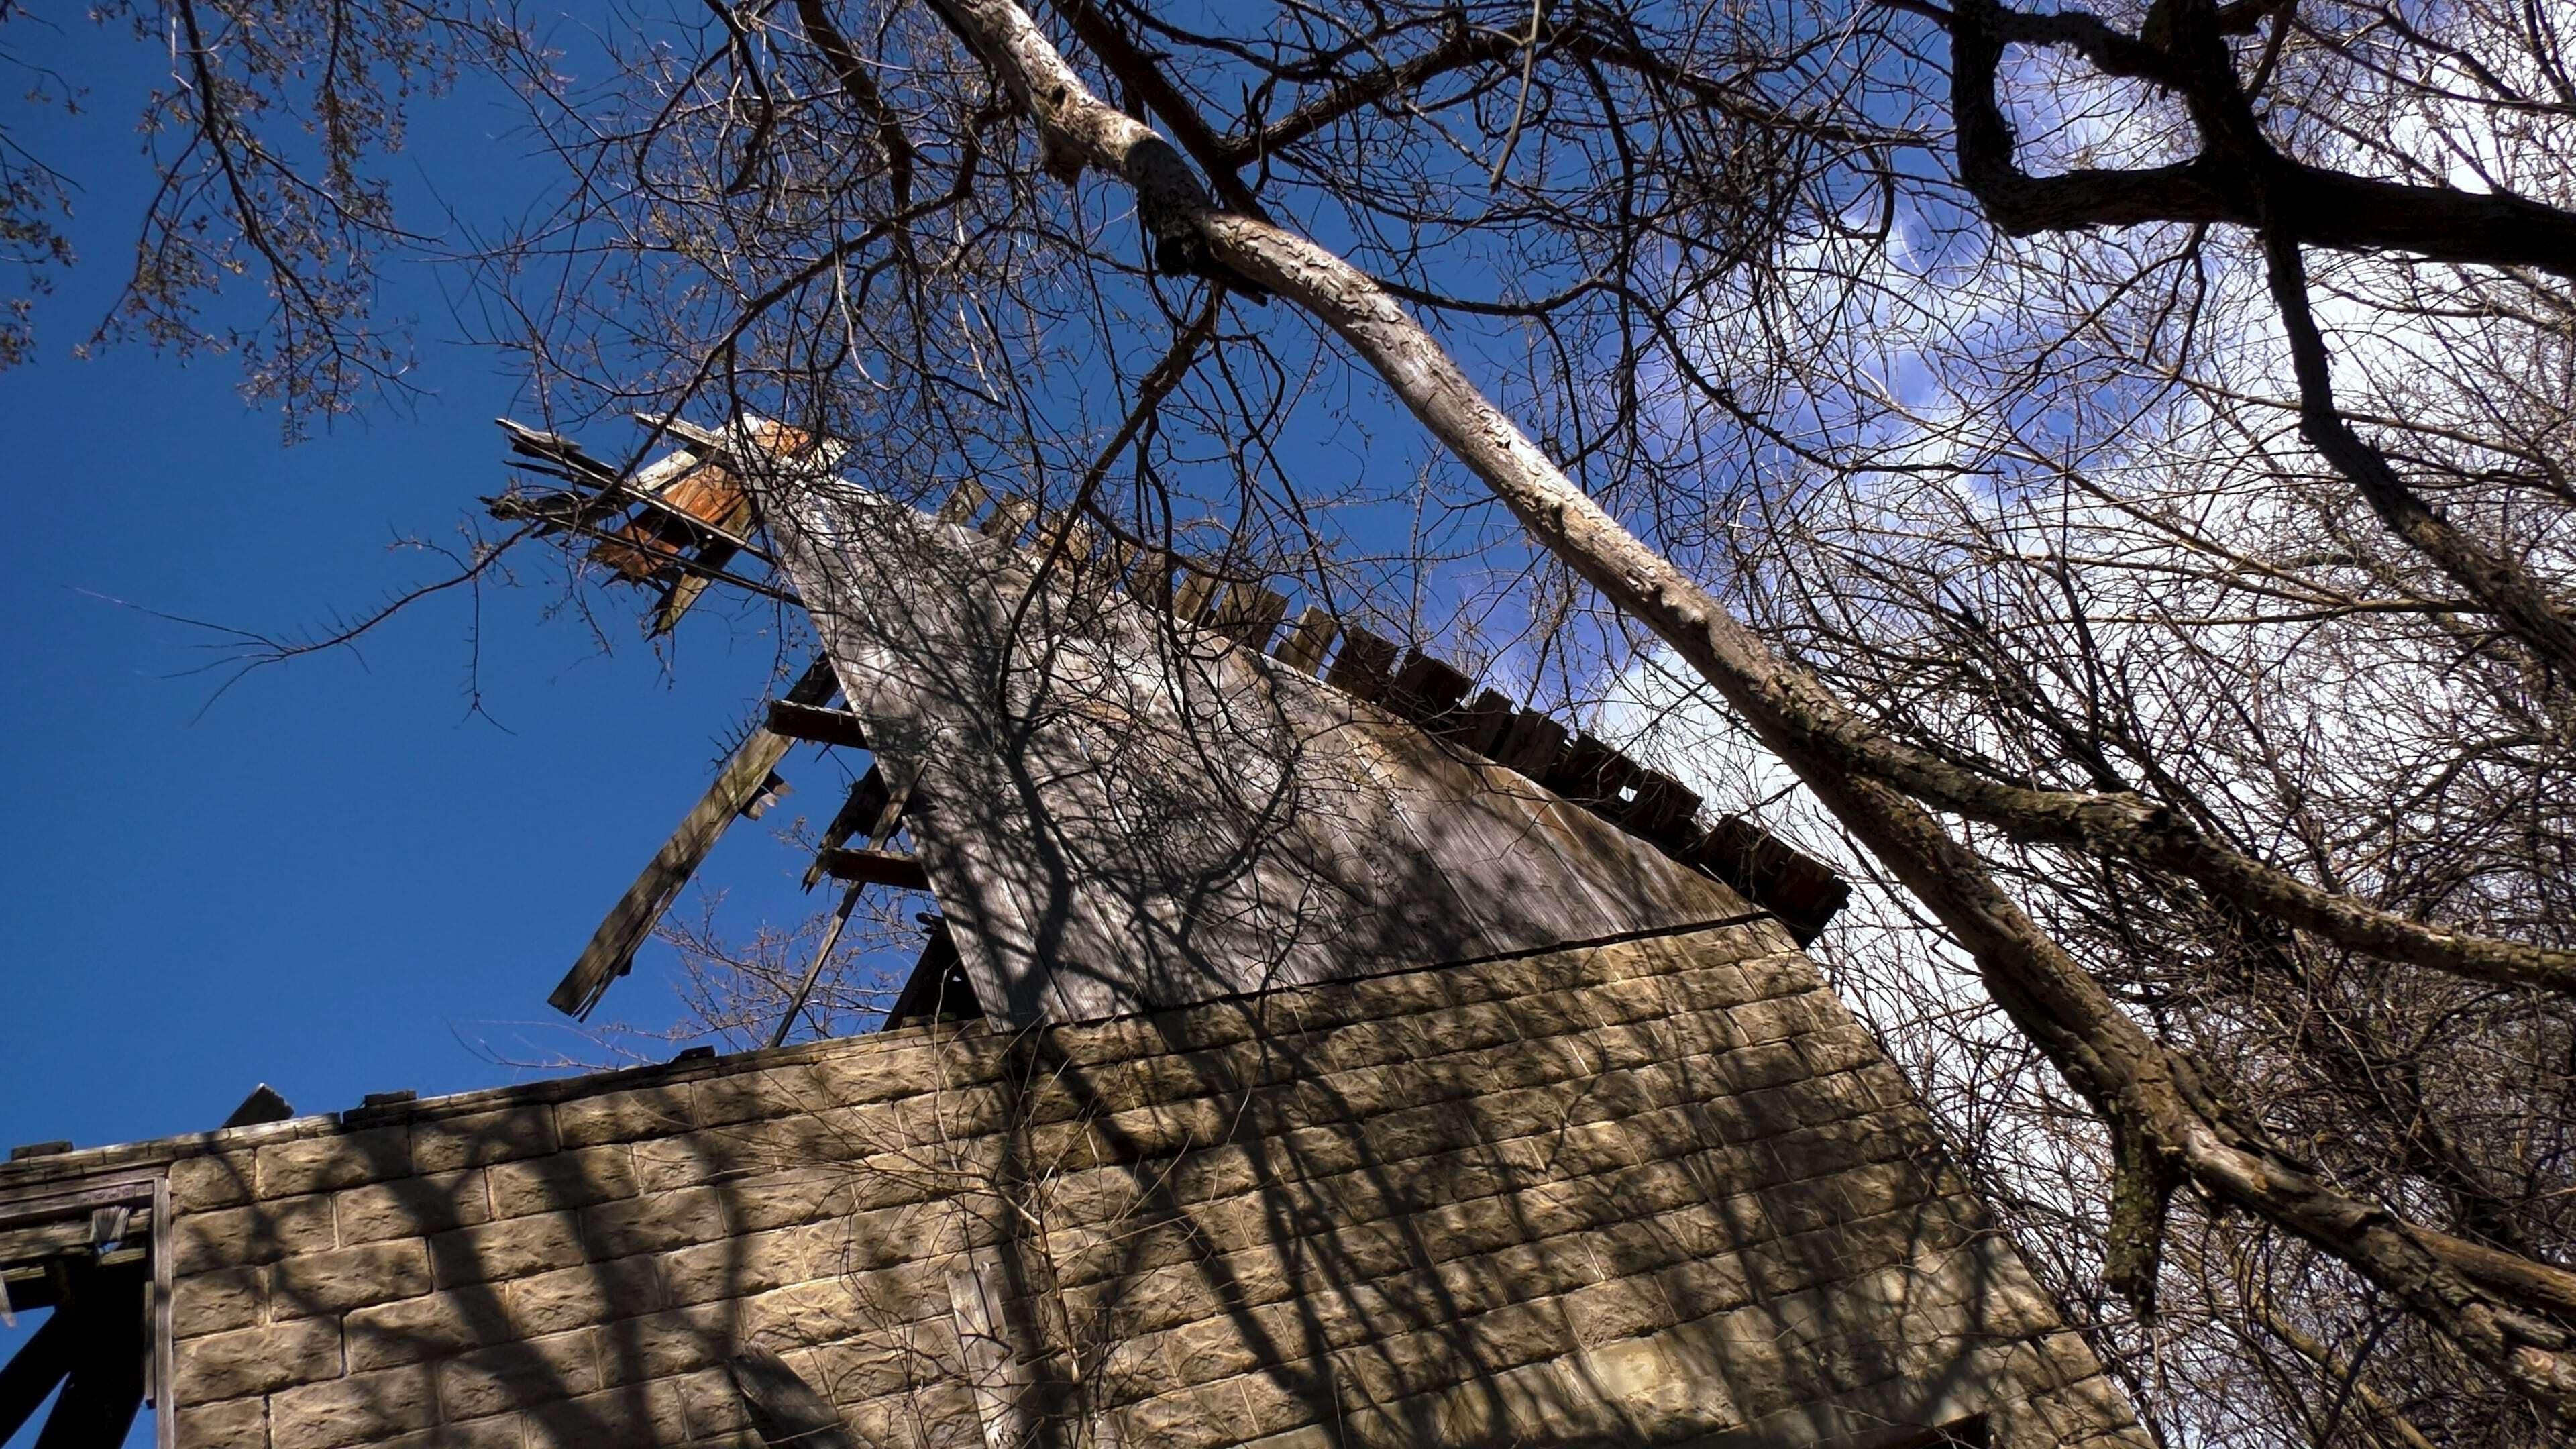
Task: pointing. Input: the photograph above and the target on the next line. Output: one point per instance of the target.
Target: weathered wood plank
(963, 504)
(817, 725)
(875, 867)
(1249, 614)
(1120, 812)
(611, 951)
(1304, 647)
(32, 1372)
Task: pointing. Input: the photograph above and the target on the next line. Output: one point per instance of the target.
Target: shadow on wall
(1641, 1193)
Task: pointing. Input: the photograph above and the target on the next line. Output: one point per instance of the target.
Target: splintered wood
(1122, 803)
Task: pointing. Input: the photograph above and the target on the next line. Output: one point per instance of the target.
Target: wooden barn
(1313, 1049)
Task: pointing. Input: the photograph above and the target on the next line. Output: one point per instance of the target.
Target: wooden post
(611, 952)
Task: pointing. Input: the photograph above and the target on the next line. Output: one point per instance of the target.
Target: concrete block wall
(1660, 1191)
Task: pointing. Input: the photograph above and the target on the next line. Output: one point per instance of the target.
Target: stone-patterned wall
(1658, 1191)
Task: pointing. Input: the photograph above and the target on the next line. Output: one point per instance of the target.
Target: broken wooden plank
(964, 503)
(1804, 892)
(1664, 811)
(875, 867)
(858, 813)
(1149, 577)
(1304, 647)
(1361, 669)
(611, 952)
(1192, 595)
(817, 725)
(1249, 614)
(1480, 725)
(685, 591)
(1425, 690)
(1532, 744)
(1010, 517)
(1592, 773)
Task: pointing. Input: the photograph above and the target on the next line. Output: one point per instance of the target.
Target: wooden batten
(874, 867)
(817, 724)
(611, 951)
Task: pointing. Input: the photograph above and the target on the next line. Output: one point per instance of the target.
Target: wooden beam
(112, 1340)
(611, 952)
(816, 724)
(875, 867)
(866, 802)
(32, 1372)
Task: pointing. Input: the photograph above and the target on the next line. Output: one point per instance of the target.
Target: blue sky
(336, 879)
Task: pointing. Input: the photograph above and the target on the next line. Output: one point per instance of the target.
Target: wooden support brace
(858, 813)
(817, 725)
(1304, 647)
(31, 1373)
(611, 952)
(875, 867)
(112, 1342)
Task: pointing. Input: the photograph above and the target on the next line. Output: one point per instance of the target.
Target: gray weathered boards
(1118, 812)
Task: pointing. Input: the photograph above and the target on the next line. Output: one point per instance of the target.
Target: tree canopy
(2114, 461)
